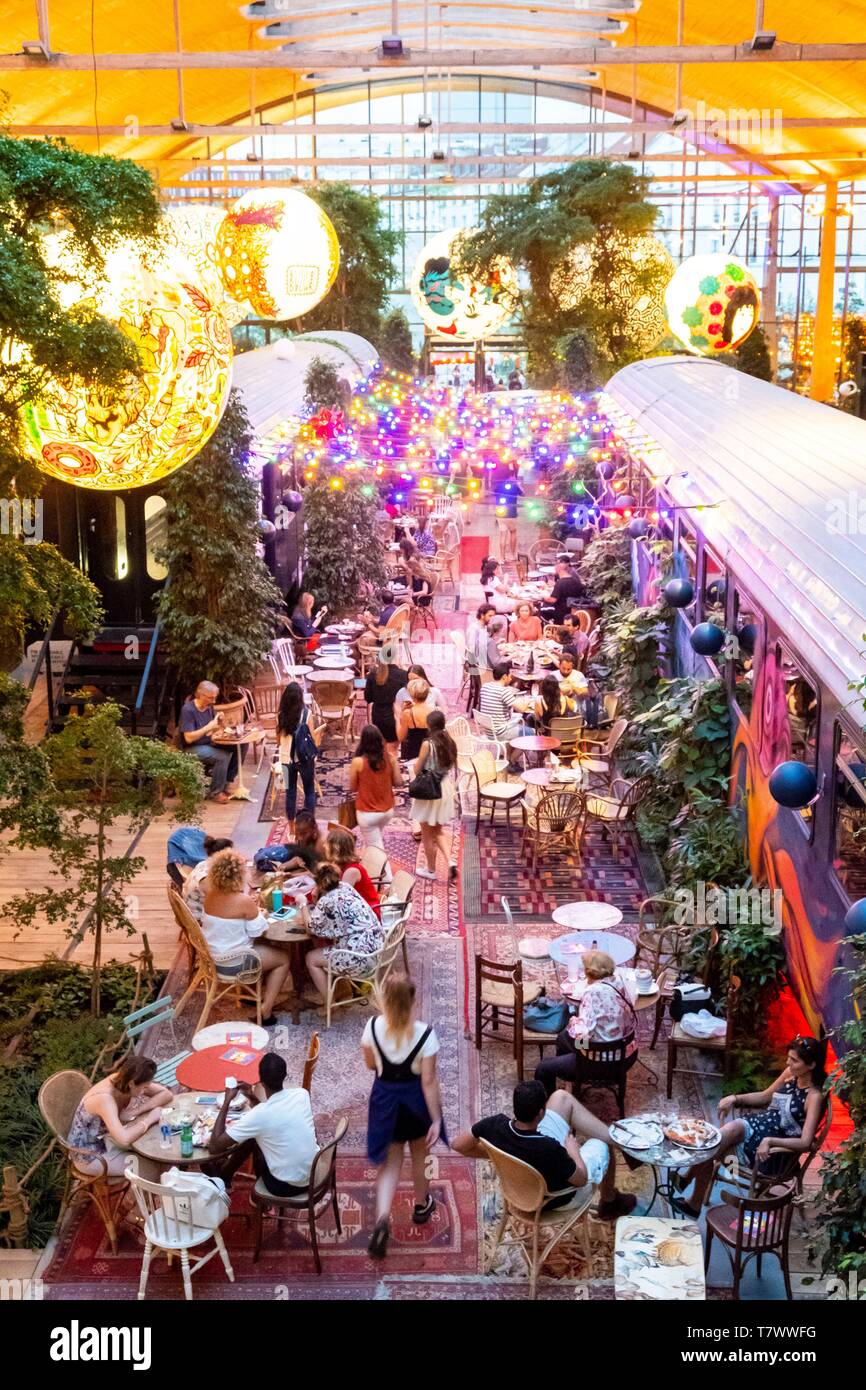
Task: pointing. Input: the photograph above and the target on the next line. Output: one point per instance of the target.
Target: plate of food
(636, 1133)
(692, 1134)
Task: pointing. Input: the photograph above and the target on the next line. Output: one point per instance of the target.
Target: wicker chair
(568, 728)
(601, 750)
(557, 819)
(524, 1197)
(333, 706)
(58, 1100)
(313, 1199)
(370, 973)
(206, 973)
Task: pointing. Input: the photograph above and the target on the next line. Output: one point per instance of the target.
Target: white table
(619, 948)
(587, 916)
(218, 1033)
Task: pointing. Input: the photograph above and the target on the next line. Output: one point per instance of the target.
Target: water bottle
(165, 1136)
(186, 1141)
(276, 899)
(594, 944)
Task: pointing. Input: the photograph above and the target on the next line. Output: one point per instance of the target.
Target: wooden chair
(396, 636)
(601, 750)
(333, 706)
(422, 615)
(310, 1063)
(500, 989)
(568, 728)
(617, 812)
(247, 986)
(662, 949)
(791, 1169)
(168, 1226)
(371, 971)
(584, 620)
(556, 819)
(679, 1040)
(524, 1197)
(233, 711)
(58, 1099)
(266, 696)
(604, 1066)
(489, 789)
(320, 1192)
(396, 907)
(750, 1228)
(521, 566)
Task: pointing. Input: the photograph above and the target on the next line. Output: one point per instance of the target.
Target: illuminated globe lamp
(457, 305)
(713, 303)
(794, 785)
(707, 639)
(152, 423)
(679, 593)
(191, 230)
(277, 250)
(635, 291)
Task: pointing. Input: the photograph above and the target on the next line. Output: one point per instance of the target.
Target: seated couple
(277, 1132)
(560, 1139)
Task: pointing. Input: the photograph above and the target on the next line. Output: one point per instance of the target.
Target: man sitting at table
(278, 1132)
(547, 1135)
(497, 705)
(198, 721)
(571, 637)
(567, 587)
(572, 681)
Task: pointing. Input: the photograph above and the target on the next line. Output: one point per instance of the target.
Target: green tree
(753, 356)
(580, 369)
(218, 609)
(103, 781)
(342, 547)
(359, 295)
(28, 818)
(97, 200)
(395, 343)
(591, 204)
(323, 388)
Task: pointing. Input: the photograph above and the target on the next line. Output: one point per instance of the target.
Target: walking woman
(412, 719)
(380, 692)
(405, 1104)
(437, 756)
(297, 750)
(374, 773)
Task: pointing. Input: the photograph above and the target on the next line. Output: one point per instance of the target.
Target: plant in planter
(606, 566)
(103, 779)
(841, 1205)
(708, 846)
(342, 549)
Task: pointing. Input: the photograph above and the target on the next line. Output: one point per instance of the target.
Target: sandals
(378, 1245)
(421, 1212)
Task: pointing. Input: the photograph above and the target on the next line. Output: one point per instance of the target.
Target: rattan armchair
(556, 819)
(58, 1099)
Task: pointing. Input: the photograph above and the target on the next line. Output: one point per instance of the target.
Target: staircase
(123, 664)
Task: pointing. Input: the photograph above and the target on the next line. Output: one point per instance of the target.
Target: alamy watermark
(754, 127)
(720, 907)
(21, 517)
(846, 514)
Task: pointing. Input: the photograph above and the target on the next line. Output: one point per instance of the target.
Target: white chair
(488, 788)
(168, 1226)
(370, 973)
(375, 861)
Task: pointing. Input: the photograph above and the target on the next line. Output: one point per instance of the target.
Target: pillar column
(823, 380)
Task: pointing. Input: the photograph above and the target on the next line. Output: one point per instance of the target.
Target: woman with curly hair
(231, 922)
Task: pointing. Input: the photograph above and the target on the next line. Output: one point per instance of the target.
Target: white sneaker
(425, 873)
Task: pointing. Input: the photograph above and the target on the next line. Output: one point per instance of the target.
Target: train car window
(849, 815)
(801, 699)
(155, 535)
(714, 581)
(746, 649)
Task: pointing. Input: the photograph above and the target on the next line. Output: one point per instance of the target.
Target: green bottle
(186, 1141)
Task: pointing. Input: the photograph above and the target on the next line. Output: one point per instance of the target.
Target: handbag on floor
(347, 816)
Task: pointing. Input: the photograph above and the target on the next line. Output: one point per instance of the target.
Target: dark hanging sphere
(607, 469)
(679, 593)
(637, 527)
(292, 501)
(855, 918)
(747, 636)
(716, 591)
(793, 784)
(622, 504)
(267, 529)
(707, 639)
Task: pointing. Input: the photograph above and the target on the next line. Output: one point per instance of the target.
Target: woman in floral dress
(341, 917)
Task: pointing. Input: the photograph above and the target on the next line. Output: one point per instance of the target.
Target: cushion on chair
(722, 1221)
(502, 995)
(605, 807)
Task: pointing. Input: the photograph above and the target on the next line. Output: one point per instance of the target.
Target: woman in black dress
(380, 692)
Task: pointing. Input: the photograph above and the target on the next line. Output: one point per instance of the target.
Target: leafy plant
(394, 342)
(685, 737)
(100, 776)
(755, 953)
(633, 647)
(368, 247)
(606, 566)
(580, 368)
(707, 848)
(343, 552)
(218, 611)
(323, 388)
(841, 1205)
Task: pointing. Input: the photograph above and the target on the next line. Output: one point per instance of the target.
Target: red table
(206, 1070)
(535, 743)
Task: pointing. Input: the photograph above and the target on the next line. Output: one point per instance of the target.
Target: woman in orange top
(373, 775)
(526, 626)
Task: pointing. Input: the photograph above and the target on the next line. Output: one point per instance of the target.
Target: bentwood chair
(604, 1066)
(500, 996)
(568, 728)
(525, 1211)
(490, 790)
(375, 861)
(617, 812)
(790, 1169)
(167, 1214)
(601, 750)
(750, 1228)
(310, 1063)
(245, 986)
(396, 907)
(368, 974)
(314, 1199)
(554, 821)
(58, 1100)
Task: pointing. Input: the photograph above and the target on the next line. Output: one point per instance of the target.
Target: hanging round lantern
(152, 423)
(716, 591)
(747, 636)
(637, 527)
(292, 501)
(267, 529)
(707, 639)
(635, 291)
(713, 302)
(855, 918)
(278, 250)
(679, 593)
(192, 231)
(607, 469)
(793, 784)
(454, 304)
(622, 504)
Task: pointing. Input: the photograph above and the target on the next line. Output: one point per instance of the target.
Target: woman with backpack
(297, 751)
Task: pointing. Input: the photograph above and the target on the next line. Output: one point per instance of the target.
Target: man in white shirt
(476, 652)
(278, 1132)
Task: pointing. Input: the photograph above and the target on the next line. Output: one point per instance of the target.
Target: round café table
(287, 931)
(335, 674)
(207, 1070)
(252, 736)
(154, 1157)
(586, 916)
(662, 1157)
(217, 1034)
(539, 744)
(544, 777)
(333, 663)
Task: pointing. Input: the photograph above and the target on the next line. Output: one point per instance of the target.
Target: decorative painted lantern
(679, 593)
(636, 290)
(793, 784)
(192, 231)
(279, 251)
(155, 422)
(713, 302)
(456, 305)
(707, 639)
(716, 591)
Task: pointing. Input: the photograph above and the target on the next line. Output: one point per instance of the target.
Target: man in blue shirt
(198, 721)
